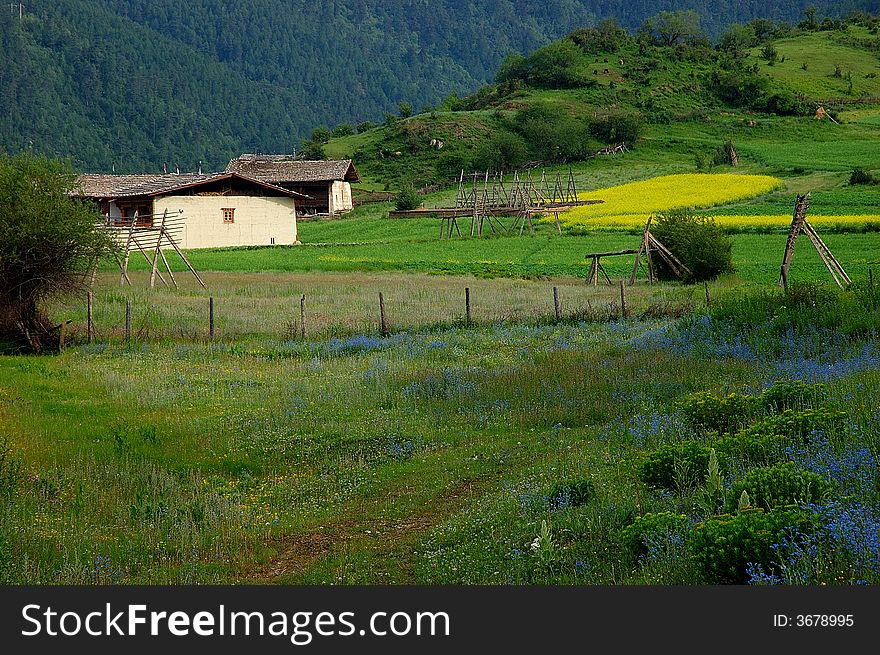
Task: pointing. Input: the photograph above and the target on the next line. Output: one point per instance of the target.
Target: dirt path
(391, 542)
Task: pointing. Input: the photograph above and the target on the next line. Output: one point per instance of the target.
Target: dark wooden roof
(132, 186)
(281, 169)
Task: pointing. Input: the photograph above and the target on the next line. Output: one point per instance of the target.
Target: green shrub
(754, 450)
(778, 486)
(722, 414)
(792, 395)
(343, 129)
(572, 493)
(724, 154)
(678, 466)
(696, 241)
(408, 199)
(616, 128)
(861, 176)
(798, 424)
(724, 545)
(649, 527)
(551, 134)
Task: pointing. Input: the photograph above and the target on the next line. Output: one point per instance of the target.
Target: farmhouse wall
(256, 220)
(340, 197)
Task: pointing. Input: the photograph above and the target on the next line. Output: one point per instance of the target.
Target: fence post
(302, 316)
(128, 321)
(467, 306)
(90, 323)
(708, 299)
(622, 300)
(382, 324)
(211, 317)
(556, 307)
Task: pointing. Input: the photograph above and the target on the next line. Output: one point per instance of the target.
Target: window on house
(228, 215)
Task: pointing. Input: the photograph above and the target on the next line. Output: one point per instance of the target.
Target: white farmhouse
(220, 210)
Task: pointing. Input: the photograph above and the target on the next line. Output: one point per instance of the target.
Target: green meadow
(698, 435)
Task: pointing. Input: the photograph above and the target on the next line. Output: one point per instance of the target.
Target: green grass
(421, 458)
(831, 156)
(381, 246)
(822, 52)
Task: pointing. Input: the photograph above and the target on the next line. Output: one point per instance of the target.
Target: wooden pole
(90, 322)
(708, 299)
(622, 300)
(382, 323)
(467, 306)
(124, 265)
(211, 317)
(556, 307)
(154, 269)
(302, 316)
(783, 277)
(128, 321)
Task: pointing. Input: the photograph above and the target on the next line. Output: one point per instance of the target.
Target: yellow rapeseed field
(784, 220)
(628, 205)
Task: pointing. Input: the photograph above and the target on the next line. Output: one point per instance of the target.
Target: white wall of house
(340, 197)
(257, 220)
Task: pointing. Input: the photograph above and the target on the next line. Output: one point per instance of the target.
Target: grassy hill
(680, 98)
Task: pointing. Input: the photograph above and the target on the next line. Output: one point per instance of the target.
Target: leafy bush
(647, 528)
(798, 424)
(408, 199)
(616, 128)
(738, 87)
(552, 67)
(677, 466)
(552, 135)
(724, 154)
(697, 241)
(861, 176)
(721, 414)
(503, 150)
(723, 546)
(321, 135)
(778, 486)
(793, 395)
(365, 126)
(313, 150)
(572, 493)
(343, 129)
(607, 38)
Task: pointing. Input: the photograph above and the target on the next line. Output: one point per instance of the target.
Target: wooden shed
(326, 183)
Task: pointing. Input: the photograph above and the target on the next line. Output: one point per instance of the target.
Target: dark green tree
(48, 242)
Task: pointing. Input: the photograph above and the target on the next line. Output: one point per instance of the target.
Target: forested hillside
(135, 83)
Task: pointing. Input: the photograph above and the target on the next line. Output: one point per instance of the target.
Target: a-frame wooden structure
(649, 242)
(149, 240)
(800, 225)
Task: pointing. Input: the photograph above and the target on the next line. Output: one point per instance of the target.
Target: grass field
(412, 245)
(811, 60)
(518, 449)
(432, 456)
